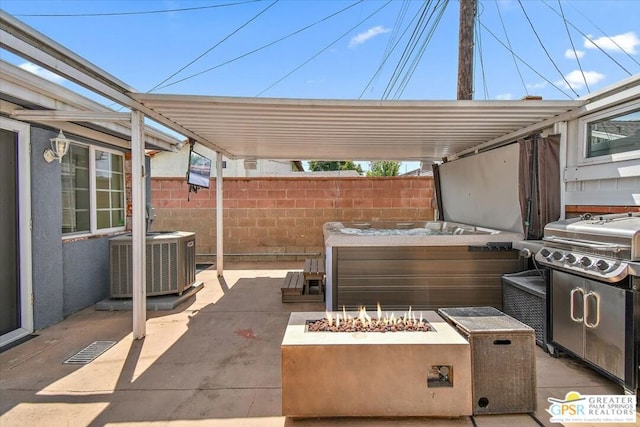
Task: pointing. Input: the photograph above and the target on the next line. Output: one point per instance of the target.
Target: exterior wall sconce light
(59, 147)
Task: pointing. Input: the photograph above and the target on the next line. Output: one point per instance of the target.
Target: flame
(362, 320)
(392, 319)
(363, 317)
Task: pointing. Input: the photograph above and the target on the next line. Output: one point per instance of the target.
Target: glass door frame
(23, 130)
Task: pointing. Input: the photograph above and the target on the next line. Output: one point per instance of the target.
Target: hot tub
(426, 265)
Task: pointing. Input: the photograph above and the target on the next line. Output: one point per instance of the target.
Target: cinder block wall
(284, 215)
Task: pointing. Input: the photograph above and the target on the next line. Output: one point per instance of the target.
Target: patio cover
(320, 129)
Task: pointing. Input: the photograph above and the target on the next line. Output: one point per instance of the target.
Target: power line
(148, 12)
(262, 47)
(215, 45)
(609, 37)
(523, 61)
(416, 59)
(478, 37)
(545, 49)
(404, 57)
(325, 48)
(409, 55)
(504, 28)
(402, 13)
(595, 44)
(574, 48)
(386, 57)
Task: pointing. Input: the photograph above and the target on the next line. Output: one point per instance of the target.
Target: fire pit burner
(409, 322)
(374, 325)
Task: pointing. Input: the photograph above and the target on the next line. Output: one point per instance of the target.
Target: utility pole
(465, 49)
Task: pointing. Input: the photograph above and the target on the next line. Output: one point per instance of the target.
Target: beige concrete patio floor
(213, 361)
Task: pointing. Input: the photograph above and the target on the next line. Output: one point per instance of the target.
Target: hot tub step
(302, 298)
(294, 287)
(313, 276)
(293, 283)
(314, 268)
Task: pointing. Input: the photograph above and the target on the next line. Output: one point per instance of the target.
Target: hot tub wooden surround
(423, 271)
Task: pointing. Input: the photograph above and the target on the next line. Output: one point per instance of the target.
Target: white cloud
(39, 71)
(627, 42)
(572, 54)
(536, 86)
(366, 35)
(504, 97)
(576, 80)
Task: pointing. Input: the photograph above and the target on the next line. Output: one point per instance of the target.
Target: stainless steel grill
(604, 248)
(595, 291)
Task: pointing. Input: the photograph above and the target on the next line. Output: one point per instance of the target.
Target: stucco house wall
(69, 273)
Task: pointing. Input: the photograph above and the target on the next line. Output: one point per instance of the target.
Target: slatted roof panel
(316, 129)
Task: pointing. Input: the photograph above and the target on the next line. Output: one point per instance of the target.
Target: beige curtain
(438, 195)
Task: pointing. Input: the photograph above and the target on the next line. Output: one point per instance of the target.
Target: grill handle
(586, 310)
(572, 305)
(609, 247)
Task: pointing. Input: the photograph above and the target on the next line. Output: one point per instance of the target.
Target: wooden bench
(306, 285)
(313, 274)
(293, 285)
(293, 289)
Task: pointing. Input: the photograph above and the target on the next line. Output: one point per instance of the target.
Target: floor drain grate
(90, 352)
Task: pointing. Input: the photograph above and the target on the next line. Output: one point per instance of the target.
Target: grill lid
(604, 248)
(617, 234)
(599, 227)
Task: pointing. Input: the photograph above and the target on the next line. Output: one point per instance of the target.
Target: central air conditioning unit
(170, 259)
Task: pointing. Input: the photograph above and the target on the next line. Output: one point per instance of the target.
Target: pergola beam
(138, 194)
(219, 215)
(71, 116)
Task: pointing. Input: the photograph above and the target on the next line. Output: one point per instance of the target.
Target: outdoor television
(199, 170)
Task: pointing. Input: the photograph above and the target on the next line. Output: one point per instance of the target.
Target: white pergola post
(219, 210)
(138, 173)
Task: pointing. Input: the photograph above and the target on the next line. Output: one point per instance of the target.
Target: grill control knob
(545, 253)
(586, 261)
(603, 265)
(558, 256)
(572, 259)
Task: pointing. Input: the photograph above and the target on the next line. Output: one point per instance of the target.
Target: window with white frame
(93, 190)
(612, 135)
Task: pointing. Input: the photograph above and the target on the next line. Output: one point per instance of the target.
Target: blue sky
(350, 55)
